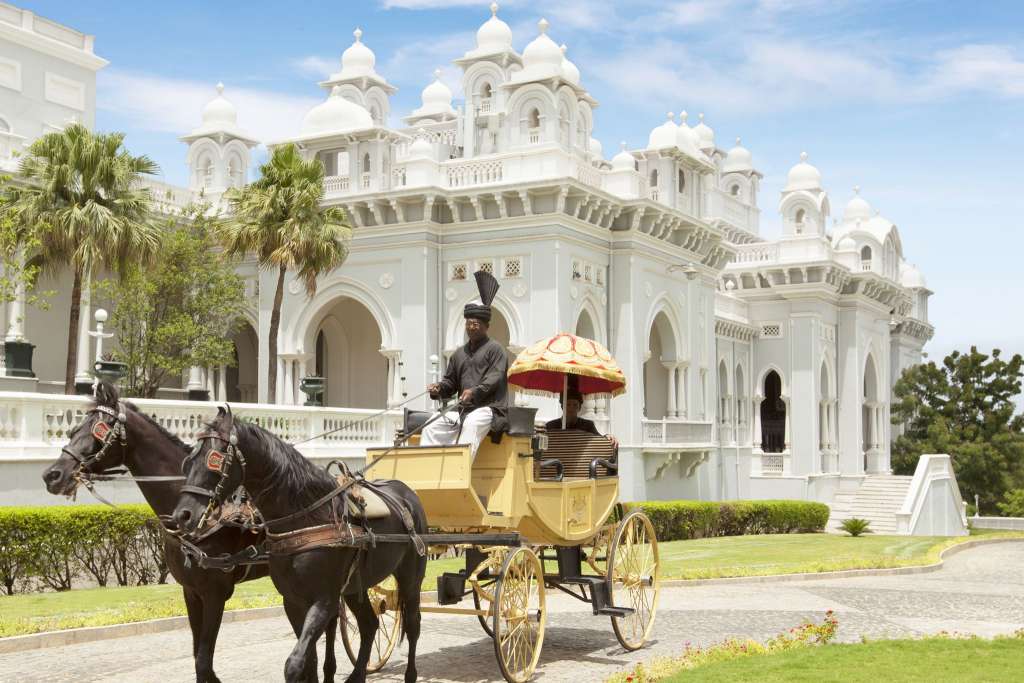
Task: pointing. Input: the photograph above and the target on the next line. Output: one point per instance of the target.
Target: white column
(16, 308)
(83, 363)
(757, 421)
(289, 385)
(195, 379)
(670, 410)
(208, 382)
(222, 383)
(789, 419)
(679, 378)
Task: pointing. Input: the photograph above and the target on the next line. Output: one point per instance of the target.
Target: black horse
(288, 488)
(147, 450)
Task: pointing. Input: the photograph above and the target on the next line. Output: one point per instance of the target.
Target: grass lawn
(932, 659)
(713, 557)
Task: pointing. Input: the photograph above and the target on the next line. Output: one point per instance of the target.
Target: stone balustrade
(676, 433)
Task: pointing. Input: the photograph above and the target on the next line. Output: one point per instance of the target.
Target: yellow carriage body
(500, 490)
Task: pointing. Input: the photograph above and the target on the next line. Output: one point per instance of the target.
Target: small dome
(358, 60)
(857, 209)
(542, 55)
(803, 176)
(594, 147)
(569, 70)
(738, 160)
(218, 112)
(437, 98)
(686, 139)
(494, 35)
(705, 135)
(336, 115)
(420, 147)
(847, 244)
(664, 135)
(911, 277)
(623, 161)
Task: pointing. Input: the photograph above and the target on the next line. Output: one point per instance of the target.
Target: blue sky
(920, 103)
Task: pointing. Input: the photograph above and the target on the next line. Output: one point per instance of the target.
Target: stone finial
(358, 33)
(856, 189)
(543, 25)
(437, 74)
(682, 117)
(494, 9)
(220, 88)
(803, 156)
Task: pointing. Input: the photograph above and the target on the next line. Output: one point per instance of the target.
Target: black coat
(484, 369)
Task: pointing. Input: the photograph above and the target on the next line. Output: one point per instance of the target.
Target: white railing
(467, 173)
(534, 136)
(364, 181)
(588, 175)
(1002, 523)
(865, 266)
(30, 421)
(772, 463)
(166, 197)
(336, 184)
(758, 252)
(670, 431)
(653, 193)
(485, 106)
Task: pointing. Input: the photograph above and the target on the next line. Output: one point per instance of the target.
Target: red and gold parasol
(546, 366)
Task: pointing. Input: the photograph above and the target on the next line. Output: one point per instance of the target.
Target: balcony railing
(670, 432)
(759, 252)
(468, 173)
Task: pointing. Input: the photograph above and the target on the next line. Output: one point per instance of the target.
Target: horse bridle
(216, 461)
(106, 433)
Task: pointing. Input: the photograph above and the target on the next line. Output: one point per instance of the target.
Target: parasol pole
(565, 396)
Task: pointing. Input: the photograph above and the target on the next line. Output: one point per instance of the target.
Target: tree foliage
(280, 219)
(964, 407)
(16, 239)
(178, 313)
(82, 199)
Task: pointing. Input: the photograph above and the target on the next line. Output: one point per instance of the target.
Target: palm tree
(83, 202)
(279, 219)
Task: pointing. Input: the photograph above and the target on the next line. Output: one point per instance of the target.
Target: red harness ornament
(100, 430)
(214, 461)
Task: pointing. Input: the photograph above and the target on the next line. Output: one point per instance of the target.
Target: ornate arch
(300, 332)
(759, 387)
(590, 305)
(663, 304)
(503, 305)
(200, 147)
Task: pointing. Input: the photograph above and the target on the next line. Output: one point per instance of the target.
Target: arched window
(485, 90)
(366, 163)
(734, 190)
(206, 173)
(533, 120)
(865, 258)
(321, 355)
(773, 415)
(723, 394)
(654, 178)
(681, 181)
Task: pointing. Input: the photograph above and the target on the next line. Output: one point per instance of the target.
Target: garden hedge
(57, 547)
(678, 520)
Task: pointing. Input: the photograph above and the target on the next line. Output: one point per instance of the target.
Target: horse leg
(330, 662)
(296, 613)
(318, 616)
(194, 605)
(409, 598)
(213, 613)
(366, 618)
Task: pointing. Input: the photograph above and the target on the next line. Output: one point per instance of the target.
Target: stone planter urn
(313, 388)
(18, 356)
(110, 370)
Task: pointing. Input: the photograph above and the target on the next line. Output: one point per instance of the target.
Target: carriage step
(598, 590)
(616, 611)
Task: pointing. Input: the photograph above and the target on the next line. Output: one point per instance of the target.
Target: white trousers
(444, 430)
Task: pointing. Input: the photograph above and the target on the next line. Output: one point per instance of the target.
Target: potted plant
(313, 387)
(109, 370)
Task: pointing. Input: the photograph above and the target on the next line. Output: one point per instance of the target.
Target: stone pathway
(980, 591)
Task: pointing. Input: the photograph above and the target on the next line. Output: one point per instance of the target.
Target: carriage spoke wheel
(384, 599)
(633, 578)
(519, 615)
(484, 603)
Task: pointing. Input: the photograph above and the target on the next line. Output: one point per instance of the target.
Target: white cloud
(156, 103)
(315, 66)
(432, 4)
(993, 68)
(413, 64)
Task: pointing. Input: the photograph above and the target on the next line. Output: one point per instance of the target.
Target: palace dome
(803, 176)
(594, 147)
(542, 58)
(336, 115)
(857, 208)
(623, 161)
(494, 35)
(911, 277)
(664, 135)
(420, 147)
(705, 135)
(358, 60)
(218, 112)
(686, 139)
(437, 98)
(738, 160)
(570, 71)
(847, 244)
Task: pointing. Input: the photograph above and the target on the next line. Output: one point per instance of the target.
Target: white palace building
(758, 368)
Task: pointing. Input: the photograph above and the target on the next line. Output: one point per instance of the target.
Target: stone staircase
(877, 500)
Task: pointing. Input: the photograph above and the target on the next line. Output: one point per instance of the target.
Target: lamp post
(108, 370)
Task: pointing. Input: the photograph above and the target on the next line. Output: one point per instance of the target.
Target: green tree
(83, 204)
(965, 408)
(279, 219)
(16, 239)
(179, 312)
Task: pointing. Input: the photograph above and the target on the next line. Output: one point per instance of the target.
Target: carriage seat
(582, 456)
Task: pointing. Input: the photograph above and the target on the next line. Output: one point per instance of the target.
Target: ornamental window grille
(588, 272)
(771, 331)
(577, 270)
(512, 267)
(600, 276)
(486, 266)
(460, 271)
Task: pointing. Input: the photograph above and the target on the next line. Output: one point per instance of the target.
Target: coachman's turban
(487, 286)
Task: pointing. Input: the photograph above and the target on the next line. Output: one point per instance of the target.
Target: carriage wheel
(519, 615)
(384, 599)
(483, 605)
(633, 578)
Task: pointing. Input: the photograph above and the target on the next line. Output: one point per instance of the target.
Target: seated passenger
(573, 403)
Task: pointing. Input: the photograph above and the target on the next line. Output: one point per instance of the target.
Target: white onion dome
(911, 277)
(664, 135)
(358, 60)
(336, 115)
(705, 135)
(686, 139)
(570, 71)
(847, 244)
(594, 147)
(420, 147)
(857, 209)
(494, 35)
(803, 176)
(623, 161)
(738, 160)
(218, 112)
(542, 56)
(437, 97)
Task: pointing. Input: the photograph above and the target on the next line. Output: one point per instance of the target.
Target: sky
(919, 103)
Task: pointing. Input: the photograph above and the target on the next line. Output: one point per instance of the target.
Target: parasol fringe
(552, 394)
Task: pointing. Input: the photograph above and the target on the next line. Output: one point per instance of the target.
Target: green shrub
(685, 519)
(1013, 503)
(855, 526)
(52, 547)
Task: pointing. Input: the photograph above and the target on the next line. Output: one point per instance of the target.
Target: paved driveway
(980, 591)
